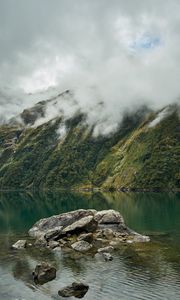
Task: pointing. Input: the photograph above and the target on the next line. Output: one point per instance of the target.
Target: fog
(113, 56)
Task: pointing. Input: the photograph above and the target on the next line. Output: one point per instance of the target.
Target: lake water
(141, 271)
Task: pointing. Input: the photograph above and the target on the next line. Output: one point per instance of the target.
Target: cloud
(121, 53)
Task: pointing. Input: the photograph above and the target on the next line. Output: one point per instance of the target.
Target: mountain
(58, 152)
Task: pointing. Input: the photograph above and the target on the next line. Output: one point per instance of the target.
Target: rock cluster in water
(84, 230)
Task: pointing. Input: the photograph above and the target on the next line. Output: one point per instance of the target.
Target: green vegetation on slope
(136, 156)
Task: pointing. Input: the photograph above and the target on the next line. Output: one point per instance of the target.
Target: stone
(138, 238)
(57, 249)
(40, 242)
(106, 249)
(53, 244)
(87, 237)
(109, 217)
(21, 244)
(99, 242)
(87, 224)
(77, 290)
(107, 256)
(81, 246)
(108, 233)
(104, 256)
(115, 243)
(54, 233)
(64, 220)
(44, 273)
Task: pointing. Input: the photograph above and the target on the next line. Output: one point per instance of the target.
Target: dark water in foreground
(143, 271)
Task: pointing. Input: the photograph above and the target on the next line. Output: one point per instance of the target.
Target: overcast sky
(126, 51)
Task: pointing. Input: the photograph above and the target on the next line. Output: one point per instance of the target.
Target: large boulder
(44, 225)
(87, 224)
(77, 290)
(44, 273)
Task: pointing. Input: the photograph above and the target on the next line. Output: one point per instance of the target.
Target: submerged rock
(77, 290)
(106, 249)
(21, 244)
(44, 273)
(81, 246)
(107, 256)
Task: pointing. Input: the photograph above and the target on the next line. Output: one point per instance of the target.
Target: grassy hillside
(135, 157)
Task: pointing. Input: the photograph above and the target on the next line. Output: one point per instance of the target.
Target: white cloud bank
(121, 53)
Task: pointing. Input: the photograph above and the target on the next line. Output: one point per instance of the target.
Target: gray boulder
(53, 244)
(77, 290)
(87, 224)
(64, 220)
(109, 217)
(53, 234)
(21, 244)
(107, 256)
(81, 246)
(44, 273)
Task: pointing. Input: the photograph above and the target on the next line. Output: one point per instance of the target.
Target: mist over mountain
(115, 57)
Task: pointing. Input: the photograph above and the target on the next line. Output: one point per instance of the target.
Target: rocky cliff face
(143, 154)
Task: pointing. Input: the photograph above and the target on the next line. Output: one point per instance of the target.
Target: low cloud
(114, 57)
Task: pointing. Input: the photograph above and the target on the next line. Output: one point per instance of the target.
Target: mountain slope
(63, 153)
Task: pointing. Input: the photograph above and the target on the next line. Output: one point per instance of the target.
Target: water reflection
(142, 211)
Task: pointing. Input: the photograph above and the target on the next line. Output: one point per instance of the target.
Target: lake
(142, 271)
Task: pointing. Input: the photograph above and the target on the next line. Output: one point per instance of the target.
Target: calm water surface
(142, 271)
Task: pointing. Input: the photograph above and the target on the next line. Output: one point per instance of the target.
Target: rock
(82, 227)
(99, 243)
(109, 217)
(87, 237)
(40, 242)
(108, 233)
(107, 256)
(21, 244)
(77, 290)
(115, 243)
(104, 256)
(81, 246)
(44, 273)
(57, 249)
(64, 220)
(62, 242)
(138, 238)
(54, 233)
(87, 224)
(53, 244)
(106, 249)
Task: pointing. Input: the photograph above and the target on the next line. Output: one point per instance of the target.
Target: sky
(121, 53)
